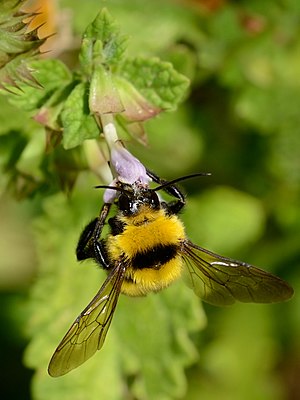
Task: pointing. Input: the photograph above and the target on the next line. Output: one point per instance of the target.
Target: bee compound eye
(124, 203)
(154, 200)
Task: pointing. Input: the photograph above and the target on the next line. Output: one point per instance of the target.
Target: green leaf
(102, 43)
(11, 146)
(156, 80)
(77, 121)
(52, 75)
(164, 321)
(17, 46)
(13, 119)
(32, 156)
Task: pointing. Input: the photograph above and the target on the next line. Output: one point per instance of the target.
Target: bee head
(131, 197)
(134, 196)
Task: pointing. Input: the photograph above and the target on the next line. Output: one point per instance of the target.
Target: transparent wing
(221, 281)
(87, 334)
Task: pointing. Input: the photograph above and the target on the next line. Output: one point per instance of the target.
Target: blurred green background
(240, 121)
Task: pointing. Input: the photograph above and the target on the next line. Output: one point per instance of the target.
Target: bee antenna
(117, 188)
(181, 178)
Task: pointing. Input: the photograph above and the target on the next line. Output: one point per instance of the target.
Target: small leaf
(156, 80)
(77, 121)
(102, 43)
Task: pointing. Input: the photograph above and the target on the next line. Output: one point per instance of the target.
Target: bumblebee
(145, 251)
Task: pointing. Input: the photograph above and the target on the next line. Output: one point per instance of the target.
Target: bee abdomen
(155, 257)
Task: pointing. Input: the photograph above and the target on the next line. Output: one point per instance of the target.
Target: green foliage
(157, 80)
(101, 58)
(101, 43)
(239, 121)
(79, 124)
(17, 45)
(52, 75)
(70, 104)
(220, 221)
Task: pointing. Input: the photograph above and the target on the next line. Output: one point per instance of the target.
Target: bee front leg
(173, 207)
(84, 248)
(89, 245)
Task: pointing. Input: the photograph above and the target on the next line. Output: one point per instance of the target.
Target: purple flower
(125, 168)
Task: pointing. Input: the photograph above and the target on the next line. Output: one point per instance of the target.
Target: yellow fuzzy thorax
(144, 231)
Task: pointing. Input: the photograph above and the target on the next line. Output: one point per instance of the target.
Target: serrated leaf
(77, 121)
(52, 75)
(156, 80)
(17, 45)
(102, 43)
